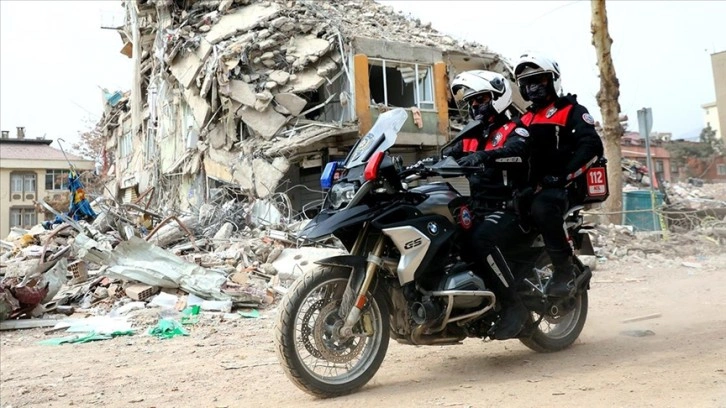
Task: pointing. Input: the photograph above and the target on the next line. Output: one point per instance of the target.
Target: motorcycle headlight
(341, 194)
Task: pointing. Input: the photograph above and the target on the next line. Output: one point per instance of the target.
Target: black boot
(562, 283)
(514, 314)
(511, 321)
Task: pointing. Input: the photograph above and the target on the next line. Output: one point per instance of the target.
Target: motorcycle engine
(464, 281)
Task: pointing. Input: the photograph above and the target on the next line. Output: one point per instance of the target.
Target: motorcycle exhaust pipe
(425, 313)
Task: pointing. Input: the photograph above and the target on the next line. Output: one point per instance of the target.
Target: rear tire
(562, 330)
(293, 330)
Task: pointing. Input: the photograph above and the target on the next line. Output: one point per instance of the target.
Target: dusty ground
(682, 363)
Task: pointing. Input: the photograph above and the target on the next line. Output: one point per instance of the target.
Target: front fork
(354, 299)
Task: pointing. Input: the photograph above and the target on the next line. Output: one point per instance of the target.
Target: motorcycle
(407, 276)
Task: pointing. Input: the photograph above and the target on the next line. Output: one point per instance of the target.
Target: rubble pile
(620, 242)
(225, 256)
(241, 89)
(698, 197)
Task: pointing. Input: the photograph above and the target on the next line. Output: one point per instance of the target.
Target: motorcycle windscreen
(381, 137)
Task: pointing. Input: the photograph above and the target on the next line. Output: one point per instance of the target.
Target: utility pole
(607, 99)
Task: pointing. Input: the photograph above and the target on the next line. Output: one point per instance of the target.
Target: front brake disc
(326, 337)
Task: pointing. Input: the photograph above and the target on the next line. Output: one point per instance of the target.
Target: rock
(274, 254)
(270, 85)
(240, 278)
(265, 44)
(268, 269)
(225, 231)
(281, 77)
(279, 22)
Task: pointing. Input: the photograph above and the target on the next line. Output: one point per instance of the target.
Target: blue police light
(326, 179)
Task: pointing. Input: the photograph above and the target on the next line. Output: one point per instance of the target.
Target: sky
(54, 57)
(661, 49)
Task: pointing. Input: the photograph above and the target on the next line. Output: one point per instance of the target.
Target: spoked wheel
(310, 348)
(559, 330)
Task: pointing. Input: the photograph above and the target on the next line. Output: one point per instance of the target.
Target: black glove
(474, 159)
(553, 181)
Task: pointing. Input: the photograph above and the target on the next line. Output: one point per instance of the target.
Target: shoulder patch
(521, 131)
(588, 119)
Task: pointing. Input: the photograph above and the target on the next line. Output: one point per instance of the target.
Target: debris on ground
(132, 259)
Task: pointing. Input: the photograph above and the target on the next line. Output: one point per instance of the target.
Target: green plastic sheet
(84, 338)
(167, 329)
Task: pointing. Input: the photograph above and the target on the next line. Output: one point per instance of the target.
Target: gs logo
(412, 244)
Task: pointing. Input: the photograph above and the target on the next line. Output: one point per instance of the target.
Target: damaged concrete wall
(238, 91)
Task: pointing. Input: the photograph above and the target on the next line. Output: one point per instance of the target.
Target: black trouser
(493, 230)
(548, 208)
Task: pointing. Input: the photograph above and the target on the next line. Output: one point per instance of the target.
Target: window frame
(23, 178)
(125, 145)
(721, 169)
(55, 173)
(22, 213)
(417, 88)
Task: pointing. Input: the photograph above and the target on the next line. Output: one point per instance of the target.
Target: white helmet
(477, 82)
(532, 63)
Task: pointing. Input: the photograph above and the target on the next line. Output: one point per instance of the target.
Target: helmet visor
(535, 78)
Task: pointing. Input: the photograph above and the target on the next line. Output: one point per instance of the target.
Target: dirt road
(676, 360)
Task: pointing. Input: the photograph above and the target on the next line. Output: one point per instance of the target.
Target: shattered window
(56, 179)
(23, 217)
(401, 84)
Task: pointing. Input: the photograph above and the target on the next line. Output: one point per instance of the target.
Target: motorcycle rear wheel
(557, 333)
(312, 356)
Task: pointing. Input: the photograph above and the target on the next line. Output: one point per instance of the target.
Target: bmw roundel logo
(433, 228)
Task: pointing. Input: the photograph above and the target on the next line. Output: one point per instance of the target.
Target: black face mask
(537, 93)
(485, 113)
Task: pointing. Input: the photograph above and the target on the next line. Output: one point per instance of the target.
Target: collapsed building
(258, 96)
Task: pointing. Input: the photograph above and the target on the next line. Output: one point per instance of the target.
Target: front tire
(557, 333)
(310, 352)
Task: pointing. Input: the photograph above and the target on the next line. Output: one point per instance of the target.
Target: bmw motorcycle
(406, 276)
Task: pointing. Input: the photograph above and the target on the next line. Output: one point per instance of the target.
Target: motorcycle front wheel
(555, 333)
(312, 353)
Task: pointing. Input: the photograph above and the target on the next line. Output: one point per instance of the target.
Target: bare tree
(607, 99)
(91, 145)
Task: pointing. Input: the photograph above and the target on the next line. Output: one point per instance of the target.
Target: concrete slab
(186, 67)
(306, 81)
(200, 107)
(241, 92)
(244, 19)
(268, 175)
(291, 102)
(243, 175)
(265, 123)
(309, 45)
